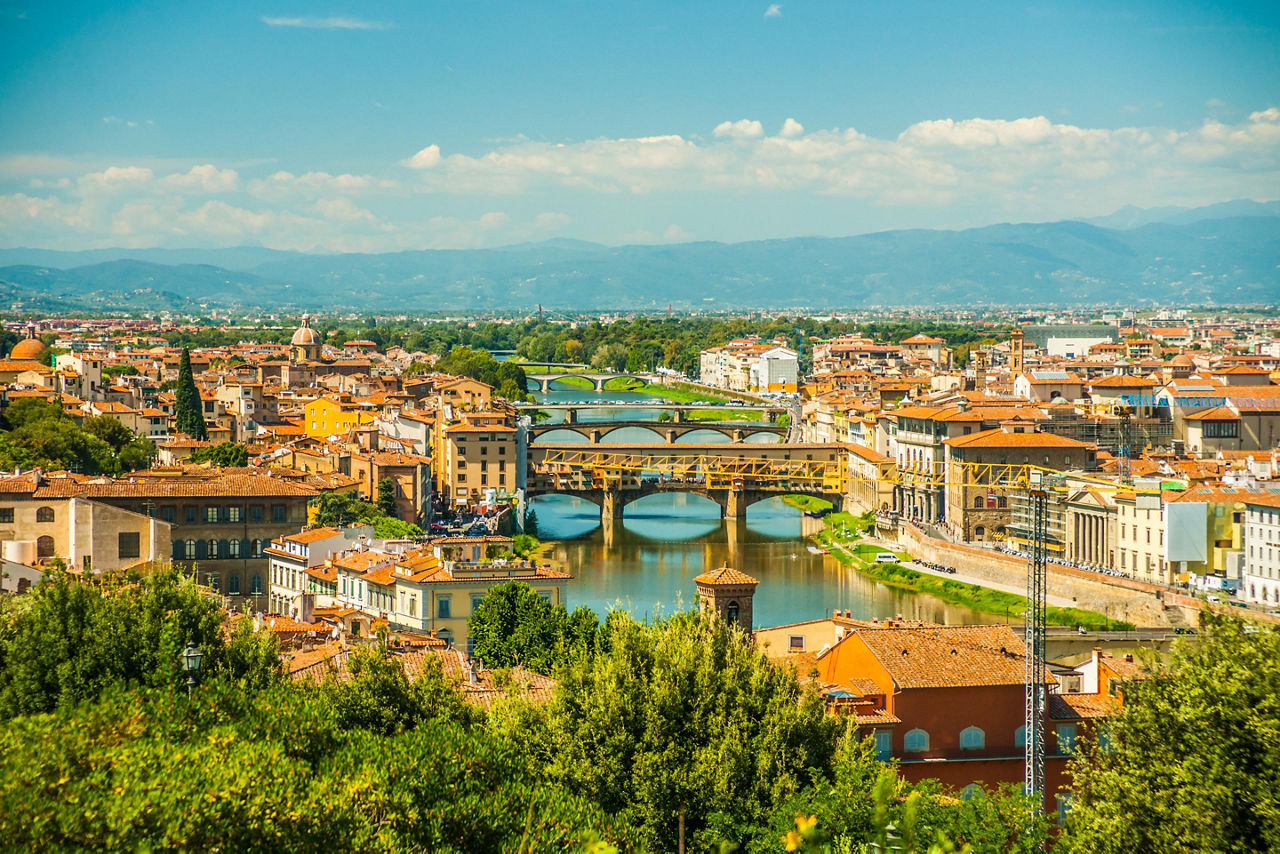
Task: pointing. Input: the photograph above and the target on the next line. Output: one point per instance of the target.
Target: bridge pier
(677, 416)
(611, 504)
(671, 437)
(600, 381)
(595, 436)
(739, 435)
(571, 416)
(544, 386)
(735, 505)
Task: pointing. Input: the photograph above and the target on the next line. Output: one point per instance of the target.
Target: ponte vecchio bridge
(734, 475)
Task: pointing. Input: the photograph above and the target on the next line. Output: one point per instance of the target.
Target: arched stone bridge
(734, 476)
(544, 381)
(668, 431)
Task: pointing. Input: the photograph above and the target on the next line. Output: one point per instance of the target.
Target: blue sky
(378, 126)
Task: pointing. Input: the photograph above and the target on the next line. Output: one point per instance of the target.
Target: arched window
(233, 584)
(731, 613)
(980, 531)
(972, 738)
(190, 549)
(1020, 737)
(977, 502)
(916, 741)
(44, 514)
(255, 585)
(233, 548)
(44, 547)
(213, 550)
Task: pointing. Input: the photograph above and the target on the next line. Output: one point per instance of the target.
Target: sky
(382, 126)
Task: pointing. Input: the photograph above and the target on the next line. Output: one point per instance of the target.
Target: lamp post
(191, 664)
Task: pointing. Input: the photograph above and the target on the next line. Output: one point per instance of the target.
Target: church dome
(30, 347)
(305, 336)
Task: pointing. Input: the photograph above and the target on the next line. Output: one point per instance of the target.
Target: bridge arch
(658, 437)
(566, 434)
(706, 435)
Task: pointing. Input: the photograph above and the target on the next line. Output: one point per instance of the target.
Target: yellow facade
(326, 417)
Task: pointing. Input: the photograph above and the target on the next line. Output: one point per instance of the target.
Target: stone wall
(1134, 602)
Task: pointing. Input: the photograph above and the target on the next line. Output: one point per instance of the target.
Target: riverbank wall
(1125, 602)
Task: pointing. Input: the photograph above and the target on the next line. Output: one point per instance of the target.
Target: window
(1020, 737)
(916, 741)
(884, 743)
(795, 643)
(127, 544)
(255, 585)
(44, 514)
(233, 514)
(44, 547)
(1066, 738)
(213, 550)
(233, 584)
(443, 607)
(731, 613)
(210, 514)
(279, 513)
(233, 548)
(191, 514)
(413, 606)
(977, 502)
(972, 738)
(169, 513)
(6, 514)
(255, 512)
(476, 599)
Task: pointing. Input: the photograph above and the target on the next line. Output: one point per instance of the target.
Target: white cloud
(774, 10)
(791, 129)
(205, 178)
(741, 129)
(942, 171)
(551, 221)
(337, 22)
(427, 158)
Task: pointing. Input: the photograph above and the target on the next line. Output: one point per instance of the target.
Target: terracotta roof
(1082, 706)
(998, 438)
(1214, 413)
(139, 487)
(312, 536)
(725, 575)
(945, 656)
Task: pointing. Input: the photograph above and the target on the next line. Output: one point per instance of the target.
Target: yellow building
(328, 417)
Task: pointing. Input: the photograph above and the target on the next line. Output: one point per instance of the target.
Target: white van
(886, 557)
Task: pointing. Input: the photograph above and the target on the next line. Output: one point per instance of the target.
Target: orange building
(947, 702)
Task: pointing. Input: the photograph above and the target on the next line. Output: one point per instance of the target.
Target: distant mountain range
(1226, 254)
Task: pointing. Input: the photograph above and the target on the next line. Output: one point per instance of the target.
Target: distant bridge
(544, 381)
(670, 431)
(735, 476)
(571, 410)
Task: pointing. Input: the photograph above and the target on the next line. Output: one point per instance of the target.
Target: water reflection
(647, 560)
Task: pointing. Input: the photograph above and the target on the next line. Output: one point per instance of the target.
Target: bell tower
(728, 593)
(1015, 351)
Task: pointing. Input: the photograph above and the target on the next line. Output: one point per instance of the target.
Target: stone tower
(1015, 351)
(728, 592)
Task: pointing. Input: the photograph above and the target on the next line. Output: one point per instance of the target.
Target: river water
(646, 561)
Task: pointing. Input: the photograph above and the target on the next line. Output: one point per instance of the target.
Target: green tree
(513, 625)
(225, 454)
(108, 430)
(188, 413)
(525, 545)
(1192, 763)
(386, 503)
(68, 642)
(687, 716)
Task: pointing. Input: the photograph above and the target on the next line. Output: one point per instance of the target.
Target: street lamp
(191, 664)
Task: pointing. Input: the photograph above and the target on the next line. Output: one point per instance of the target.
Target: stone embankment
(1117, 598)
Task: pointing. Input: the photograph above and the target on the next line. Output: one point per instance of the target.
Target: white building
(750, 366)
(1261, 577)
(295, 558)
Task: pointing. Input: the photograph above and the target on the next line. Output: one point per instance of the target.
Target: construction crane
(1033, 636)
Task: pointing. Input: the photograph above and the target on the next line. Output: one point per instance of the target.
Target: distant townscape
(345, 488)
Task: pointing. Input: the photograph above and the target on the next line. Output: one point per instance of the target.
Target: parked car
(1212, 598)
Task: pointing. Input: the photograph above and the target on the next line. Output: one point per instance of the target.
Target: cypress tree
(188, 413)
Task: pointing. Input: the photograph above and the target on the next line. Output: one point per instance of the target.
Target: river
(646, 561)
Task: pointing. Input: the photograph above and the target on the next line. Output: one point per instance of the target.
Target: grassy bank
(808, 503)
(861, 556)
